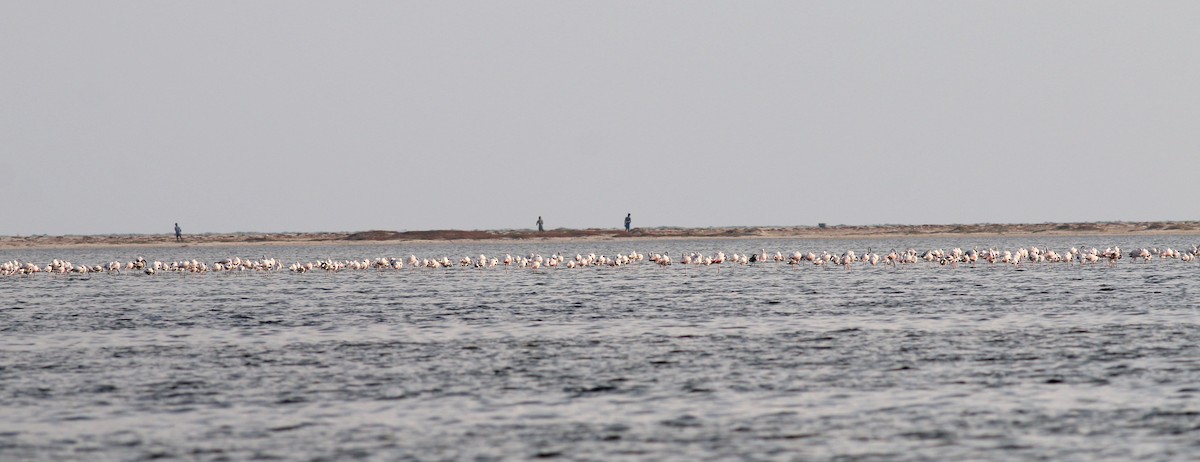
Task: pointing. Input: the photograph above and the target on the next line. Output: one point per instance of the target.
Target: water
(769, 361)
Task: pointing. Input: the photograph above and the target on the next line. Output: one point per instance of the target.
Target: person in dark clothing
(178, 233)
(628, 221)
(540, 225)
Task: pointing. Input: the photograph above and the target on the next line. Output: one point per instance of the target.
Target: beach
(377, 237)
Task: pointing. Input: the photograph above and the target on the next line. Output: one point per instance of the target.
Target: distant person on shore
(628, 221)
(178, 233)
(540, 224)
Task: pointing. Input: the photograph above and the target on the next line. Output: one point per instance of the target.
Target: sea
(766, 361)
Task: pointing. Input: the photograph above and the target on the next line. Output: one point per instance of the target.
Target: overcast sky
(126, 117)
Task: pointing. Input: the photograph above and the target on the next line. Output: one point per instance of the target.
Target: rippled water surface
(767, 361)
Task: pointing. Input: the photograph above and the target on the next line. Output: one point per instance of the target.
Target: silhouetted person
(628, 221)
(178, 233)
(540, 225)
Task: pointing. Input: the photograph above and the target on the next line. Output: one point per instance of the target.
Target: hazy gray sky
(121, 117)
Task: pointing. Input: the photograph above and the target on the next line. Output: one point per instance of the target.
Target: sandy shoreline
(1172, 228)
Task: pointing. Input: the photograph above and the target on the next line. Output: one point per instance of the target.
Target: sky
(272, 116)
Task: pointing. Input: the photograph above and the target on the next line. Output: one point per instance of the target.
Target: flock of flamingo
(847, 260)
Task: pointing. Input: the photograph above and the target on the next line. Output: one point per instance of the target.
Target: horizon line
(665, 227)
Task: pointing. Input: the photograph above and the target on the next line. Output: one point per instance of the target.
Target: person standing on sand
(628, 221)
(540, 224)
(178, 233)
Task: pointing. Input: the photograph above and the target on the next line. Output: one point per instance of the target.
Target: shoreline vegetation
(376, 237)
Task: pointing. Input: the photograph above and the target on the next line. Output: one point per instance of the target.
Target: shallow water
(768, 361)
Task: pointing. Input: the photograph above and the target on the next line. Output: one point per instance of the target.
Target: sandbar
(382, 237)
